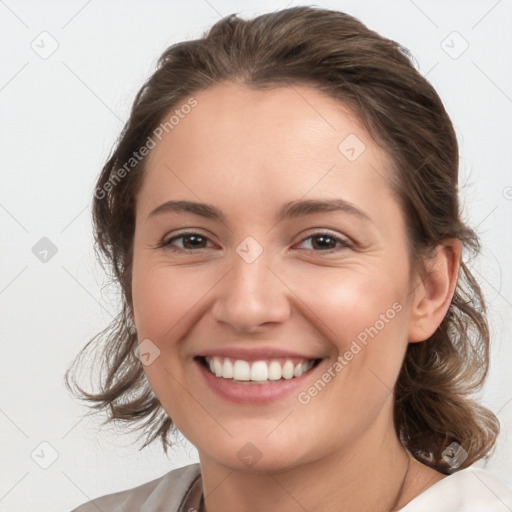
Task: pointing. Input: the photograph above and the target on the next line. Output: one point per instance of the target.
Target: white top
(467, 490)
(180, 490)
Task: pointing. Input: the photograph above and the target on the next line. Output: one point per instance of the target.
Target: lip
(245, 392)
(255, 353)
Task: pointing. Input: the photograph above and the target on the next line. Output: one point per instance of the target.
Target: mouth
(263, 371)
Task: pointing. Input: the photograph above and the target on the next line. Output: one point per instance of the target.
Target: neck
(370, 475)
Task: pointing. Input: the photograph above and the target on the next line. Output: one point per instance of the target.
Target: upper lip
(254, 354)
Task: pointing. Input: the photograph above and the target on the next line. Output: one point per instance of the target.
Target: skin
(247, 152)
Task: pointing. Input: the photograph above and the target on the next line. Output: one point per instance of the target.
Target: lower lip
(241, 392)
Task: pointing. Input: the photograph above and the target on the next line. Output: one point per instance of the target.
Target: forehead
(266, 147)
(230, 113)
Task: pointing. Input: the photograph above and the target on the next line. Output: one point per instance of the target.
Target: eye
(326, 242)
(322, 241)
(190, 240)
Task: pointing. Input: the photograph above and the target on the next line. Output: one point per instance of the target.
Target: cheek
(349, 301)
(363, 315)
(164, 296)
(364, 318)
(163, 299)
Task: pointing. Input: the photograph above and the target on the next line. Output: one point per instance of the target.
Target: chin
(252, 460)
(259, 455)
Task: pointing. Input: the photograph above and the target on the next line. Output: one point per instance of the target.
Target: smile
(263, 371)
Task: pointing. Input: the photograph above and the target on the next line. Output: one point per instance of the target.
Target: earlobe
(433, 295)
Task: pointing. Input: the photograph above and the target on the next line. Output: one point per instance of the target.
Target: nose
(251, 295)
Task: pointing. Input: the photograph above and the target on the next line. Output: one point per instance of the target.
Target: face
(264, 289)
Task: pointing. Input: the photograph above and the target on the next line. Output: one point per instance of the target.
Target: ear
(433, 295)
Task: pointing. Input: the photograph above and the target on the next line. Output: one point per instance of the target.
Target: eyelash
(344, 243)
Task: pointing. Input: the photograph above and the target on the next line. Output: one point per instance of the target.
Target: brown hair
(374, 76)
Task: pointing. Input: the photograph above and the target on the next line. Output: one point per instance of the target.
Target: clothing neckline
(439, 485)
(194, 498)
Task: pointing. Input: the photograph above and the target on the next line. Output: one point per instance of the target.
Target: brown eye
(320, 242)
(190, 242)
(325, 242)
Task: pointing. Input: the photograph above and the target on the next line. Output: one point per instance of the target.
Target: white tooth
(259, 371)
(227, 369)
(274, 371)
(217, 364)
(307, 366)
(287, 370)
(241, 370)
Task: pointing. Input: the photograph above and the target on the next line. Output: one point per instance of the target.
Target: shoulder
(171, 489)
(468, 490)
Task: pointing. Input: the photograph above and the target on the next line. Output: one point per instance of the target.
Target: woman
(281, 213)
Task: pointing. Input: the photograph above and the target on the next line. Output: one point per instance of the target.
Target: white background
(60, 118)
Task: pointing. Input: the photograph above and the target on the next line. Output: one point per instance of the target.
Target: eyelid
(343, 241)
(165, 243)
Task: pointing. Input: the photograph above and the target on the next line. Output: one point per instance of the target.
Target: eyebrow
(289, 210)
